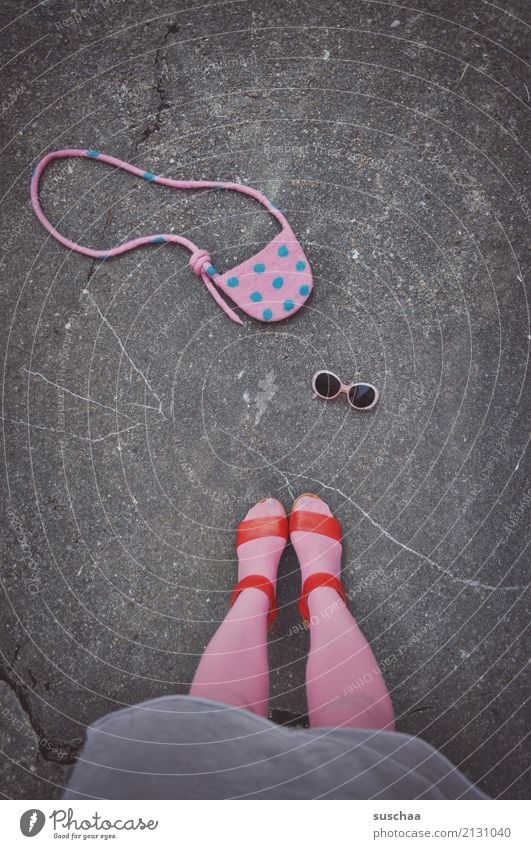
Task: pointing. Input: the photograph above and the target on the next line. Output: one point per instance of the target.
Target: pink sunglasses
(361, 396)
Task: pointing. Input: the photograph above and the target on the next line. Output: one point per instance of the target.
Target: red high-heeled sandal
(251, 529)
(328, 526)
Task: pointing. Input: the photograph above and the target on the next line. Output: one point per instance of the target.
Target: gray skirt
(179, 747)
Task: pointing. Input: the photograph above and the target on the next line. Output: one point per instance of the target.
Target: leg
(233, 668)
(344, 684)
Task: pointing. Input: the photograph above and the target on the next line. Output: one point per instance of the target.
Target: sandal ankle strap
(312, 582)
(258, 582)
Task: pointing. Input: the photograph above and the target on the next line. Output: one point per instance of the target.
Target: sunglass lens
(362, 396)
(327, 385)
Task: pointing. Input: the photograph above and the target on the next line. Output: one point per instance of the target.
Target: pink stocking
(344, 684)
(234, 667)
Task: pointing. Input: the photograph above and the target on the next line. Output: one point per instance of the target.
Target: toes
(269, 507)
(312, 504)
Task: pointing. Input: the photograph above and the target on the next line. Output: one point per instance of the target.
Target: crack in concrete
(75, 394)
(125, 352)
(469, 582)
(419, 710)
(142, 406)
(46, 744)
(160, 68)
(90, 439)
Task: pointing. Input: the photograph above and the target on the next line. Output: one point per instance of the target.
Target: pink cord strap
(200, 261)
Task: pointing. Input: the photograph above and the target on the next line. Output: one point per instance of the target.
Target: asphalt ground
(139, 423)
